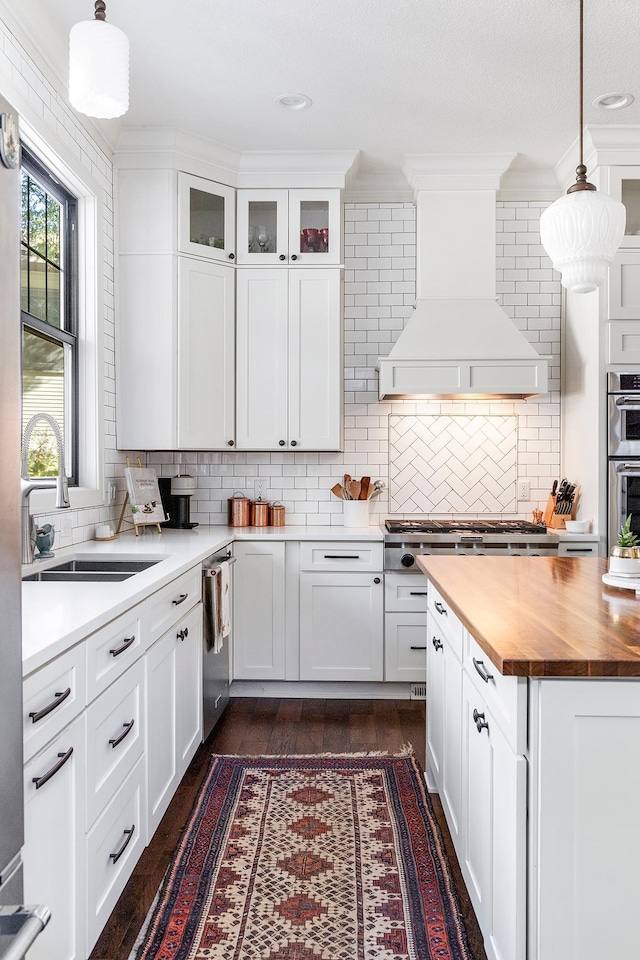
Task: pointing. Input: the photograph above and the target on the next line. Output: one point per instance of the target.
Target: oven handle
(629, 403)
(628, 469)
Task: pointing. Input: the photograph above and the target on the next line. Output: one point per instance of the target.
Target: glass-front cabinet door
(288, 227)
(624, 185)
(206, 218)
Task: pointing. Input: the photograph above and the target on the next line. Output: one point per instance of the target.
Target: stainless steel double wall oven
(623, 448)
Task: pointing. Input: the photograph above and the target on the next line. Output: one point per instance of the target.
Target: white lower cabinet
(405, 646)
(476, 740)
(174, 713)
(259, 606)
(341, 632)
(53, 852)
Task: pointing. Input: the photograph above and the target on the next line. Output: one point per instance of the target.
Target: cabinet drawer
(576, 549)
(405, 592)
(405, 647)
(444, 619)
(113, 848)
(167, 606)
(506, 697)
(52, 697)
(353, 557)
(115, 734)
(112, 650)
(437, 637)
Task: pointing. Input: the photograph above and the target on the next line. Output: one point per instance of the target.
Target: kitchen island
(533, 743)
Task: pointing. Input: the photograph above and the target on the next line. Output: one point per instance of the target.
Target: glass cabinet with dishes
(206, 218)
(288, 227)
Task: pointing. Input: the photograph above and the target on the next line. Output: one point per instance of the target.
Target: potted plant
(625, 555)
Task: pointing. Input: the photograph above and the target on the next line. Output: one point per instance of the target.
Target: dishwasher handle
(20, 926)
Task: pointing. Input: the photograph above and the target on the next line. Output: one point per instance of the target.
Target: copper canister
(238, 515)
(276, 514)
(259, 513)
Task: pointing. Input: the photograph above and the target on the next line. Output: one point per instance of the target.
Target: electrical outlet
(261, 489)
(524, 490)
(66, 528)
(110, 490)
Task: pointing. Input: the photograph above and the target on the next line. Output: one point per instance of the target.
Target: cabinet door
(206, 218)
(262, 361)
(493, 857)
(624, 185)
(162, 777)
(263, 227)
(188, 639)
(315, 360)
(341, 626)
(259, 611)
(53, 852)
(314, 226)
(405, 646)
(206, 390)
(624, 286)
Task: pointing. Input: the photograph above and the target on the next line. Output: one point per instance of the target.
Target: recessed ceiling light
(293, 101)
(613, 101)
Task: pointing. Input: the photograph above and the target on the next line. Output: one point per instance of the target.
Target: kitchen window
(49, 312)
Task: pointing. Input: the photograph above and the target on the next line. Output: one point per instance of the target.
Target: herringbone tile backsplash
(446, 464)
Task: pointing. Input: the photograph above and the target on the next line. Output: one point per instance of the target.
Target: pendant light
(581, 231)
(98, 67)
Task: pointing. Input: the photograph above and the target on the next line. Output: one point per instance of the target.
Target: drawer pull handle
(437, 644)
(116, 856)
(181, 599)
(480, 669)
(59, 698)
(417, 593)
(480, 722)
(40, 781)
(342, 556)
(441, 610)
(181, 634)
(126, 643)
(420, 648)
(128, 727)
(578, 549)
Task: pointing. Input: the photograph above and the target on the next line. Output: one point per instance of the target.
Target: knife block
(552, 519)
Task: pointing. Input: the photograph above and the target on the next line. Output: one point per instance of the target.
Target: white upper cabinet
(288, 374)
(206, 218)
(289, 227)
(624, 185)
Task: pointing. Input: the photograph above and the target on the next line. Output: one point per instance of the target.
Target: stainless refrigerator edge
(11, 801)
(18, 926)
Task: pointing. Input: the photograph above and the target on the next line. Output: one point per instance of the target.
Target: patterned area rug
(308, 858)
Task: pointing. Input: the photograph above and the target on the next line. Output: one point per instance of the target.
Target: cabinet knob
(294, 256)
(182, 634)
(232, 256)
(281, 443)
(437, 644)
(480, 722)
(282, 257)
(229, 443)
(376, 579)
(294, 443)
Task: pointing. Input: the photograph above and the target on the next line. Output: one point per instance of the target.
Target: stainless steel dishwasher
(217, 585)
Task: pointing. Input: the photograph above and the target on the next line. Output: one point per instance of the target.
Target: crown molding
(295, 168)
(162, 147)
(609, 145)
(532, 185)
(449, 171)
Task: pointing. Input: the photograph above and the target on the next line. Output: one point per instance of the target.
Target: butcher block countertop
(542, 616)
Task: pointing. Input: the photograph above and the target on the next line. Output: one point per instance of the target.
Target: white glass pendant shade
(98, 69)
(581, 232)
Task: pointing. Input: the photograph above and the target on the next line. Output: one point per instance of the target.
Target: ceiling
(386, 77)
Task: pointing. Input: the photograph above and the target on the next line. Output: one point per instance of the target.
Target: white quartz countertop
(56, 615)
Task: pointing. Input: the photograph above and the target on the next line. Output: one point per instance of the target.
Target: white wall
(379, 292)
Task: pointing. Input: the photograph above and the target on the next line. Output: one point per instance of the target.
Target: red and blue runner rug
(308, 858)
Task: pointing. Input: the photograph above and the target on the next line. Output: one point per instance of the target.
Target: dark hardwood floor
(253, 726)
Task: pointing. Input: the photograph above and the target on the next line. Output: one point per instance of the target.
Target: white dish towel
(223, 596)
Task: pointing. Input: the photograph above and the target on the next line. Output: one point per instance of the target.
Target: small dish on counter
(577, 526)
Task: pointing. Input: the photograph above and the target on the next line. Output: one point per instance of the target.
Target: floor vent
(418, 691)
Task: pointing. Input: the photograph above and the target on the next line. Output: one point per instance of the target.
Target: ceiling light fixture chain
(582, 230)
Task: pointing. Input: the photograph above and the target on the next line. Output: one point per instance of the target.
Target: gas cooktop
(463, 526)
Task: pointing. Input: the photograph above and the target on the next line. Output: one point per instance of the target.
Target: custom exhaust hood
(459, 343)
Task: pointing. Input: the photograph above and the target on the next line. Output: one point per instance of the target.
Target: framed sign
(144, 495)
(9, 140)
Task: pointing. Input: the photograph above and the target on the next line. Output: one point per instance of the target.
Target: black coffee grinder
(176, 493)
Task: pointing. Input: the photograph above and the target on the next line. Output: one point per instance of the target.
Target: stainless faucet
(27, 486)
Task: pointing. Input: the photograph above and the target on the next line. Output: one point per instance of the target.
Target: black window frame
(67, 333)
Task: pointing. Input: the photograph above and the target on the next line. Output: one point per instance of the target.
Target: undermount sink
(91, 570)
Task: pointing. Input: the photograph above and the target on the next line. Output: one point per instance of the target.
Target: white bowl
(577, 526)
